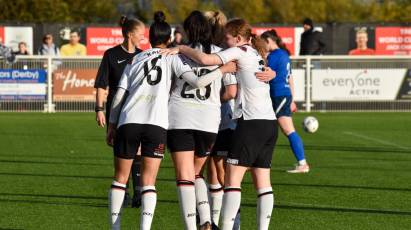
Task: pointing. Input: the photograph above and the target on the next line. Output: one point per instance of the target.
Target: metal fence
(323, 83)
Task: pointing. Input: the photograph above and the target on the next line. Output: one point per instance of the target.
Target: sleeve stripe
(184, 73)
(222, 60)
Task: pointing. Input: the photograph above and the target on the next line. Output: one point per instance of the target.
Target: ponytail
(198, 31)
(258, 44)
(217, 21)
(272, 34)
(160, 30)
(128, 25)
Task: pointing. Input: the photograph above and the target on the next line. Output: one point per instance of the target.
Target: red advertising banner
(74, 84)
(99, 39)
(2, 35)
(286, 34)
(393, 40)
(145, 43)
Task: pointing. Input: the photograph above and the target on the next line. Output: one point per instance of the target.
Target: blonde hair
(217, 21)
(362, 30)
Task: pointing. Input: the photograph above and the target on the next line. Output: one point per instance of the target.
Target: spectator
(178, 38)
(6, 53)
(22, 49)
(74, 47)
(361, 38)
(311, 41)
(48, 47)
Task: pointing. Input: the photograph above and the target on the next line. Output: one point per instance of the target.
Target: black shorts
(129, 137)
(108, 109)
(253, 143)
(190, 140)
(223, 143)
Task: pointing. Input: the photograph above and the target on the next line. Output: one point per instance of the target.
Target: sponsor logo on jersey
(121, 61)
(232, 161)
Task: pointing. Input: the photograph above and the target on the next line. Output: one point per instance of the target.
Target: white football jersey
(253, 99)
(227, 121)
(148, 81)
(196, 108)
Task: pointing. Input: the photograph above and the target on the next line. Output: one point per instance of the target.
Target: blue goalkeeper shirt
(279, 61)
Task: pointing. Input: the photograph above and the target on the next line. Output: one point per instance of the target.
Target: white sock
(148, 205)
(265, 206)
(231, 204)
(216, 200)
(302, 162)
(116, 197)
(237, 221)
(203, 206)
(187, 201)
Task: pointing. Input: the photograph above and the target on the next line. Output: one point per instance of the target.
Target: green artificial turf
(55, 171)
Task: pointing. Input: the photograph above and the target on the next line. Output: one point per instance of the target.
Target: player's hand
(293, 107)
(267, 75)
(101, 119)
(111, 134)
(170, 51)
(230, 67)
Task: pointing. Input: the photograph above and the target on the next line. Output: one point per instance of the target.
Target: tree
(58, 11)
(175, 10)
(255, 11)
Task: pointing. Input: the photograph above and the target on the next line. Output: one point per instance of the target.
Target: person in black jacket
(311, 41)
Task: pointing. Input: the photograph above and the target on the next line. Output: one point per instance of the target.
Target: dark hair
(272, 34)
(160, 30)
(75, 32)
(128, 25)
(240, 27)
(177, 30)
(198, 31)
(308, 21)
(46, 36)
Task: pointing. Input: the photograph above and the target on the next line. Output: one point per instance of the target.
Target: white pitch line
(376, 140)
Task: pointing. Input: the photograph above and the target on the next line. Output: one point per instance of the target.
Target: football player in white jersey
(194, 116)
(256, 133)
(141, 117)
(216, 165)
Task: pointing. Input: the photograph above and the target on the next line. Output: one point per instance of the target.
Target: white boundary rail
(393, 74)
